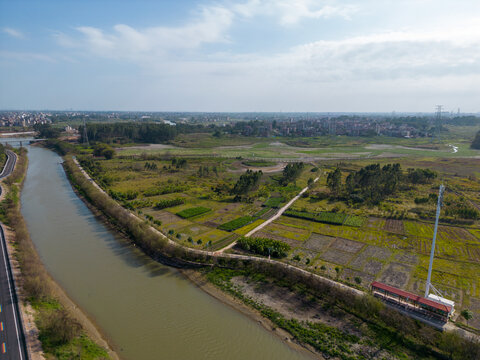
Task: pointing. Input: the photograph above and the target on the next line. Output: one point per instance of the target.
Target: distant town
(407, 125)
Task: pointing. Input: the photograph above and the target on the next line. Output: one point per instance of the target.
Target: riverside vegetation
(62, 337)
(141, 232)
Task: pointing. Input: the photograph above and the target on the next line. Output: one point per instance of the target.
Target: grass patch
(353, 220)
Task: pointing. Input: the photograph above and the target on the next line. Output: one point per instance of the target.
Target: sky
(248, 55)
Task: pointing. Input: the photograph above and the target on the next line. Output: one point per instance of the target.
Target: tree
(466, 314)
(247, 182)
(109, 153)
(476, 142)
(291, 172)
(47, 131)
(334, 181)
(103, 150)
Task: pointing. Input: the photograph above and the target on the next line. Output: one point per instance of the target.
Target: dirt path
(264, 169)
(273, 218)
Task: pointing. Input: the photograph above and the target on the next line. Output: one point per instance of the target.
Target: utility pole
(438, 120)
(432, 252)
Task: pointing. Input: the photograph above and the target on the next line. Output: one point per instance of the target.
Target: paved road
(12, 337)
(273, 218)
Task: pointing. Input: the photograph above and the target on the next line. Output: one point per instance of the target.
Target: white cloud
(290, 12)
(13, 32)
(125, 42)
(25, 56)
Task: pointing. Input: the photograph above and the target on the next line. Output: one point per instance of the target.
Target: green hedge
(237, 223)
(191, 212)
(169, 203)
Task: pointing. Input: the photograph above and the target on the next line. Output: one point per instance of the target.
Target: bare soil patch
(373, 267)
(407, 258)
(306, 254)
(350, 275)
(292, 305)
(166, 217)
(336, 256)
(396, 275)
(347, 245)
(318, 242)
(376, 252)
(475, 307)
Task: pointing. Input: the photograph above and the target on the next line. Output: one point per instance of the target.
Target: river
(147, 310)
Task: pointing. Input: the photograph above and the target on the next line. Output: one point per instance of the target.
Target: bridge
(19, 141)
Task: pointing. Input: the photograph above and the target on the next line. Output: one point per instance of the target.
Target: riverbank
(48, 313)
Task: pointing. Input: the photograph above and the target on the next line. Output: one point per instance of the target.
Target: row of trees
(129, 132)
(145, 132)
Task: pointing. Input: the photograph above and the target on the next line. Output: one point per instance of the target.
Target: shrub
(59, 327)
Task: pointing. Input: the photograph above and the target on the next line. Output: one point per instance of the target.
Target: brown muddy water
(147, 310)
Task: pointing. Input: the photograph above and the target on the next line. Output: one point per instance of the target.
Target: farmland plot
(318, 242)
(396, 275)
(349, 275)
(336, 256)
(395, 226)
(287, 231)
(347, 245)
(293, 243)
(406, 257)
(373, 267)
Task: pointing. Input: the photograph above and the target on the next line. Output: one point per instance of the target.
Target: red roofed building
(409, 299)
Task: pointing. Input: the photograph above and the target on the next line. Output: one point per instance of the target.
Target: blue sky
(249, 55)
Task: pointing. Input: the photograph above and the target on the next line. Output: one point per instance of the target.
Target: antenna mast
(432, 252)
(85, 136)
